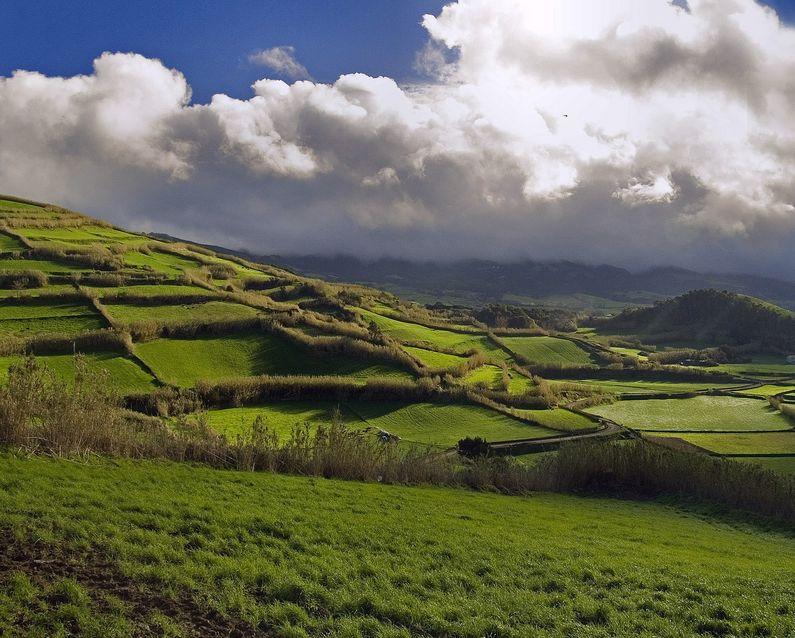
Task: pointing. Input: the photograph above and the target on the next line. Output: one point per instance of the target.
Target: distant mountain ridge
(562, 283)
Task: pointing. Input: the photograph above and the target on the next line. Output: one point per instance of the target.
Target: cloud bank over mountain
(634, 132)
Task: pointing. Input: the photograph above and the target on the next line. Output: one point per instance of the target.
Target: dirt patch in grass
(44, 566)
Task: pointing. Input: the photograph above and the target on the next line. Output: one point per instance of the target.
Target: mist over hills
(600, 288)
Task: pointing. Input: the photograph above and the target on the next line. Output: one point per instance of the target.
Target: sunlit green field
(760, 366)
(179, 313)
(312, 557)
(166, 263)
(45, 265)
(182, 362)
(434, 359)
(459, 341)
(82, 235)
(8, 243)
(32, 293)
(698, 413)
(150, 290)
(280, 416)
(444, 425)
(431, 424)
(769, 390)
(628, 386)
(559, 419)
(742, 442)
(46, 316)
(125, 375)
(549, 350)
(7, 204)
(488, 376)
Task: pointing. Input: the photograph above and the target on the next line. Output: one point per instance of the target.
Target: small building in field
(791, 358)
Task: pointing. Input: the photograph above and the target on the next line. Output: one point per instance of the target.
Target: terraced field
(559, 419)
(125, 375)
(149, 290)
(9, 244)
(445, 425)
(760, 366)
(82, 235)
(434, 359)
(744, 443)
(44, 265)
(626, 386)
(701, 413)
(488, 376)
(458, 341)
(281, 416)
(549, 350)
(179, 313)
(40, 317)
(183, 362)
(33, 293)
(769, 390)
(166, 263)
(7, 204)
(782, 465)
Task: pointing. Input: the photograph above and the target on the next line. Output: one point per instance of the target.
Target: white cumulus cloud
(282, 60)
(634, 132)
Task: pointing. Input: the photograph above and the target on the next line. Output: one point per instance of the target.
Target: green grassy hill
(169, 549)
(155, 314)
(711, 317)
(129, 353)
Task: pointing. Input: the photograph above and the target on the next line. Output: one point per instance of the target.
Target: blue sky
(210, 41)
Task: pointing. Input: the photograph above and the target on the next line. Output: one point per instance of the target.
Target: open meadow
(163, 548)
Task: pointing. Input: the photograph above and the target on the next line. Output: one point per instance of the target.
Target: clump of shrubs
(19, 279)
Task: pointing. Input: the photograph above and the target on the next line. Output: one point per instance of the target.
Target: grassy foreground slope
(127, 544)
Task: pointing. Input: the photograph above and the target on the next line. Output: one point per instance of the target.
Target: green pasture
(45, 265)
(628, 386)
(782, 465)
(46, 316)
(10, 244)
(559, 419)
(742, 442)
(549, 350)
(629, 352)
(458, 341)
(293, 556)
(488, 376)
(36, 293)
(443, 424)
(149, 290)
(769, 390)
(206, 312)
(280, 416)
(434, 359)
(167, 263)
(760, 366)
(7, 204)
(124, 374)
(80, 235)
(42, 307)
(736, 414)
(183, 362)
